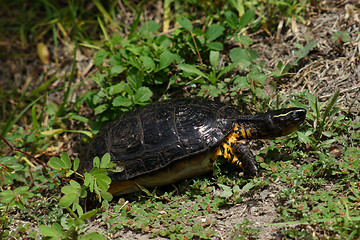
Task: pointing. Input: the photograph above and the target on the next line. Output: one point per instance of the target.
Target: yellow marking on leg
(249, 132)
(243, 133)
(228, 152)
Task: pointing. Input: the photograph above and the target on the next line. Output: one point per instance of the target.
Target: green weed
(245, 231)
(96, 181)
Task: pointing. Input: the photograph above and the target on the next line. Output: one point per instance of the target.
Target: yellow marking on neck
(287, 113)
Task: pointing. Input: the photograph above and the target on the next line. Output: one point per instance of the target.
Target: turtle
(172, 140)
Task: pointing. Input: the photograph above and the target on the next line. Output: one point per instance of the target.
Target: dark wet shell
(151, 137)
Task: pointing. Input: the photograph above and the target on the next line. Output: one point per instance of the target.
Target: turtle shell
(150, 138)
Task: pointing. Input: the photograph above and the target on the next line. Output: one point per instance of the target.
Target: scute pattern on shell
(151, 137)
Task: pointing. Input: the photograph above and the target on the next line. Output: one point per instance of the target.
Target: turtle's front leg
(246, 161)
(238, 154)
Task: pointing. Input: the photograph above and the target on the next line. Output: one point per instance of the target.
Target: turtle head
(282, 122)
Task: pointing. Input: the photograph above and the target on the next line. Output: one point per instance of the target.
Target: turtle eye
(294, 115)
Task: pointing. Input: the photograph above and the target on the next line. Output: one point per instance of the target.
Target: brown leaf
(335, 150)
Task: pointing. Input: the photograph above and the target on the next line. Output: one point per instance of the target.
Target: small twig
(27, 154)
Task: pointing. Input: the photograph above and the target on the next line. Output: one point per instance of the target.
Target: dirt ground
(331, 65)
